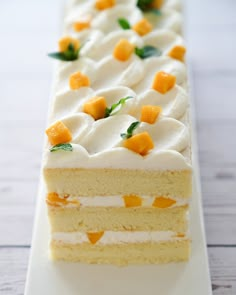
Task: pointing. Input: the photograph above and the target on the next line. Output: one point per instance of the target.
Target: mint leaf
(130, 130)
(145, 6)
(147, 51)
(121, 102)
(67, 147)
(69, 55)
(125, 25)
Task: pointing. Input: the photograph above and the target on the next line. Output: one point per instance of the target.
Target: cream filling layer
(119, 237)
(117, 201)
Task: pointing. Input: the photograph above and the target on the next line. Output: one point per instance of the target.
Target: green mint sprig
(145, 6)
(124, 23)
(69, 55)
(147, 51)
(130, 130)
(67, 147)
(120, 103)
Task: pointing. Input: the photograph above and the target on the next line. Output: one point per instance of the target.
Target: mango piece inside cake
(132, 201)
(95, 107)
(163, 82)
(58, 133)
(94, 237)
(123, 50)
(163, 202)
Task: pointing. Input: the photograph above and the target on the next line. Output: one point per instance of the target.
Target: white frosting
(119, 237)
(97, 144)
(169, 19)
(116, 201)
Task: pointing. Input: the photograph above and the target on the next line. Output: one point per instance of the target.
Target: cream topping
(119, 237)
(117, 201)
(97, 144)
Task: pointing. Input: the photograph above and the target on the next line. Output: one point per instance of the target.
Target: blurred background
(28, 31)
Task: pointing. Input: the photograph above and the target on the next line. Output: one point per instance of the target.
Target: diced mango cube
(150, 113)
(163, 82)
(132, 201)
(95, 236)
(95, 107)
(64, 43)
(157, 4)
(82, 24)
(104, 4)
(180, 235)
(142, 27)
(178, 52)
(53, 199)
(123, 50)
(78, 80)
(163, 202)
(139, 143)
(58, 133)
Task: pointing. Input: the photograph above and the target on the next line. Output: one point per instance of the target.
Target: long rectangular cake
(117, 163)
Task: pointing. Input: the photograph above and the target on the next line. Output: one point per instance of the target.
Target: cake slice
(117, 164)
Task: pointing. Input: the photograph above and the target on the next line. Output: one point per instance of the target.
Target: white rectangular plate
(59, 278)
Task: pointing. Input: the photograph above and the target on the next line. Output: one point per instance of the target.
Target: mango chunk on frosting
(123, 50)
(178, 52)
(150, 113)
(94, 237)
(104, 4)
(64, 43)
(139, 143)
(163, 202)
(82, 24)
(157, 4)
(142, 27)
(58, 133)
(78, 80)
(95, 107)
(163, 82)
(132, 201)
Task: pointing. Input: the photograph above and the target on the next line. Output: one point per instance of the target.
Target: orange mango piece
(163, 202)
(157, 4)
(81, 25)
(104, 4)
(58, 133)
(150, 113)
(142, 27)
(64, 43)
(95, 236)
(53, 199)
(123, 50)
(163, 82)
(95, 107)
(178, 52)
(78, 80)
(180, 235)
(140, 143)
(132, 201)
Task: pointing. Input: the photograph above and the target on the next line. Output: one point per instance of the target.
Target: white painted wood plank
(14, 265)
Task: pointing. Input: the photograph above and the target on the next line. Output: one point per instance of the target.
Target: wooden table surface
(28, 30)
